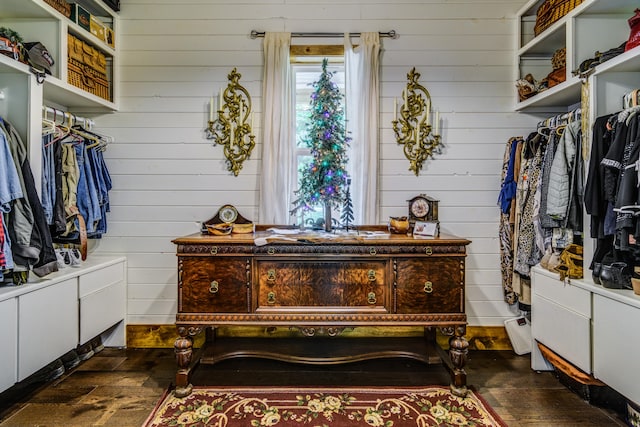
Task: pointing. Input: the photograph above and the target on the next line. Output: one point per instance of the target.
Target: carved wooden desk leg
(458, 351)
(183, 348)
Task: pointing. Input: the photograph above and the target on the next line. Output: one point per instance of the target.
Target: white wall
(176, 54)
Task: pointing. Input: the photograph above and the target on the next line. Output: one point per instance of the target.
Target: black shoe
(85, 351)
(50, 372)
(70, 359)
(96, 345)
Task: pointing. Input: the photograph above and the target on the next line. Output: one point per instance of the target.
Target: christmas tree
(323, 178)
(347, 210)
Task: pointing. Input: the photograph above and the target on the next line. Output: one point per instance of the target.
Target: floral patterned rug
(326, 407)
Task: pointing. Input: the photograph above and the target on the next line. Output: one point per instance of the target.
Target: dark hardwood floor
(118, 387)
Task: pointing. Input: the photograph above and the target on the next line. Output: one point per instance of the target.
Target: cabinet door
(430, 285)
(47, 325)
(9, 340)
(214, 284)
(332, 283)
(616, 345)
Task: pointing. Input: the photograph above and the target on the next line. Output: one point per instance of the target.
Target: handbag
(571, 260)
(634, 36)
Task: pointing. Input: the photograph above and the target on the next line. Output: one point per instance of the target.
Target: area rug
(326, 407)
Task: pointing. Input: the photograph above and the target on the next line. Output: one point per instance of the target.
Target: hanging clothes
(527, 252)
(530, 228)
(82, 184)
(506, 201)
(602, 216)
(10, 190)
(31, 241)
(566, 186)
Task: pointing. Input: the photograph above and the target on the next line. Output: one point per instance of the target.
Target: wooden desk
(321, 286)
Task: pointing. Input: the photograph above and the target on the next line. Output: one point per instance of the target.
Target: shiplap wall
(176, 54)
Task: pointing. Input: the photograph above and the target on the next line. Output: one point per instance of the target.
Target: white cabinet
(48, 317)
(586, 324)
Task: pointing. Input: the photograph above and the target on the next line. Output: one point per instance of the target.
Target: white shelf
(555, 99)
(594, 25)
(59, 92)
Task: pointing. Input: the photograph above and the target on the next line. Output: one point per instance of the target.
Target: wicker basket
(87, 68)
(61, 6)
(552, 10)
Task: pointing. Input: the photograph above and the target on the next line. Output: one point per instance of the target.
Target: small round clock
(420, 208)
(228, 213)
(423, 208)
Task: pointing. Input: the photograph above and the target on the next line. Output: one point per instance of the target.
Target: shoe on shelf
(75, 257)
(62, 259)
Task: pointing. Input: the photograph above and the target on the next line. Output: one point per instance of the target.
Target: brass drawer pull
(271, 276)
(271, 251)
(271, 298)
(213, 287)
(428, 250)
(371, 275)
(214, 250)
(428, 287)
(371, 298)
(372, 251)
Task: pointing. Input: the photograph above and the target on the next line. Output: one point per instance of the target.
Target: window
(279, 128)
(306, 70)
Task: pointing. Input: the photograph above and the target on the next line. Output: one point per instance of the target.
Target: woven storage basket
(61, 6)
(87, 68)
(552, 10)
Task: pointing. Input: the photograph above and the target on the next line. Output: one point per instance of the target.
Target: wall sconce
(232, 128)
(413, 128)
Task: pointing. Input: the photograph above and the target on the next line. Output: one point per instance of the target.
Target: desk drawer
(430, 285)
(334, 283)
(213, 284)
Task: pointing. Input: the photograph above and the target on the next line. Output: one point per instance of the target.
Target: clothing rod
(391, 34)
(561, 118)
(65, 116)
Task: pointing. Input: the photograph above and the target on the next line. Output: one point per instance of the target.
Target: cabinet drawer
(549, 286)
(564, 331)
(430, 285)
(101, 309)
(335, 283)
(213, 284)
(101, 278)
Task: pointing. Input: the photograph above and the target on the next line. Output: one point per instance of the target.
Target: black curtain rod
(391, 34)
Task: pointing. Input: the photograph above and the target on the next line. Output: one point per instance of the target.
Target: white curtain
(278, 167)
(362, 92)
